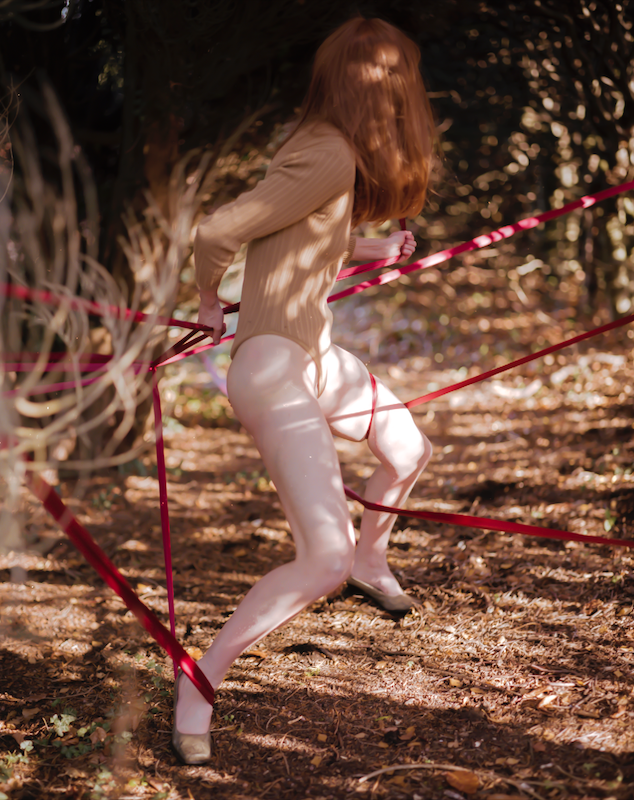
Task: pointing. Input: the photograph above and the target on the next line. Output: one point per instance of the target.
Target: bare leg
(272, 388)
(402, 450)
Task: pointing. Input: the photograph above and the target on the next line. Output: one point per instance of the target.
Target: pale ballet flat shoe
(390, 602)
(192, 748)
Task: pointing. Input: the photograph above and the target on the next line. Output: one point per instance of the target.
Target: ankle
(192, 713)
(379, 576)
(370, 564)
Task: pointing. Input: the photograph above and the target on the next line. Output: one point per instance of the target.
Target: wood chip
(464, 781)
(547, 701)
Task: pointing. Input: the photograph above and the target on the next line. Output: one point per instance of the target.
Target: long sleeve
(300, 183)
(349, 250)
(297, 223)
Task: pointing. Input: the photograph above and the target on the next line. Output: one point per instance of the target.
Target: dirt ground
(513, 679)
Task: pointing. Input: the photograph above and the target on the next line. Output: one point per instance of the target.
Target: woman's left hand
(210, 313)
(399, 243)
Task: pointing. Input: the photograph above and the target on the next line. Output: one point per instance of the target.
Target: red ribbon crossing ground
(192, 344)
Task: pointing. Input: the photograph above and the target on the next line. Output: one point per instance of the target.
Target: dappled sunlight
(516, 666)
(283, 281)
(521, 645)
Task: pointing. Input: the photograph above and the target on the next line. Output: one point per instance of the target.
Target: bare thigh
(272, 387)
(347, 400)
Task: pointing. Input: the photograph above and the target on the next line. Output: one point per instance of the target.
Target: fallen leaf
(539, 747)
(507, 762)
(27, 713)
(19, 736)
(134, 545)
(408, 733)
(321, 737)
(455, 682)
(384, 745)
(463, 781)
(72, 772)
(195, 652)
(240, 553)
(380, 665)
(98, 735)
(316, 761)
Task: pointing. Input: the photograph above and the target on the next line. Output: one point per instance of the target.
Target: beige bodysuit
(297, 223)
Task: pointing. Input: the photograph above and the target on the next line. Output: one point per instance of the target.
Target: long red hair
(366, 82)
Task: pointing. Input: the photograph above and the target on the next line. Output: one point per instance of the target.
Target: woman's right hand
(399, 244)
(210, 314)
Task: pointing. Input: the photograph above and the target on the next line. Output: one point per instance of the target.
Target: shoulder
(320, 144)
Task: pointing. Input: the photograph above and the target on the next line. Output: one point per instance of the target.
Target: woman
(361, 151)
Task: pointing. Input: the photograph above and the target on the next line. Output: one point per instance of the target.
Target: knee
(340, 567)
(409, 461)
(331, 567)
(337, 565)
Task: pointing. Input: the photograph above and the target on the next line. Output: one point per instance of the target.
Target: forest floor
(514, 677)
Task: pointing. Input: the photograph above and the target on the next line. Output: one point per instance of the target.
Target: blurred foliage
(534, 101)
(537, 103)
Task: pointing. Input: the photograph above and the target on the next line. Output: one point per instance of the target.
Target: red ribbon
(24, 293)
(475, 244)
(165, 517)
(486, 523)
(618, 323)
(95, 556)
(98, 309)
(115, 580)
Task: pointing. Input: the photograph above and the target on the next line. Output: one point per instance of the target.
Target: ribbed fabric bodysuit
(297, 222)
